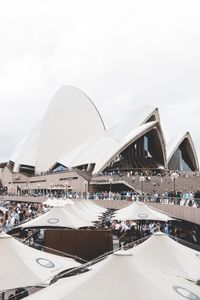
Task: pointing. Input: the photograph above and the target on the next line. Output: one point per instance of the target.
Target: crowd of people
(131, 231)
(187, 198)
(14, 213)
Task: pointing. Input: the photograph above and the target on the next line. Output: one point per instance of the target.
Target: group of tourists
(130, 231)
(14, 213)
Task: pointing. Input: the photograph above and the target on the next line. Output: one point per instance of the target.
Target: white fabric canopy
(85, 210)
(22, 266)
(96, 206)
(168, 256)
(57, 217)
(88, 210)
(79, 213)
(57, 202)
(120, 277)
(140, 211)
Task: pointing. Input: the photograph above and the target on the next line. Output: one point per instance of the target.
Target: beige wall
(186, 213)
(65, 181)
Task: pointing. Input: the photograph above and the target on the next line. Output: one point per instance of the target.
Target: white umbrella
(168, 256)
(68, 201)
(76, 210)
(92, 206)
(57, 202)
(96, 206)
(140, 211)
(57, 217)
(84, 208)
(120, 277)
(23, 266)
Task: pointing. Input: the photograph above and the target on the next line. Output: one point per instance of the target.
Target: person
(193, 236)
(1, 228)
(190, 202)
(166, 229)
(118, 228)
(9, 225)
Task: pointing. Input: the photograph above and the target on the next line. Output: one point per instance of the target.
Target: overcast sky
(122, 54)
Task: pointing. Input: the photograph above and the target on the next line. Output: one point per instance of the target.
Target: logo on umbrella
(46, 263)
(185, 293)
(52, 220)
(142, 216)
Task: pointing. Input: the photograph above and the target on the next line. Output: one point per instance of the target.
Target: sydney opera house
(71, 146)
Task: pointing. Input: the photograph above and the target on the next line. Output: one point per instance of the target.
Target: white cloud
(122, 54)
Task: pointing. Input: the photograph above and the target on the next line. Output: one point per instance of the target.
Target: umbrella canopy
(57, 202)
(86, 210)
(92, 206)
(23, 266)
(57, 217)
(140, 211)
(168, 256)
(95, 207)
(120, 277)
(68, 201)
(76, 210)
(93, 215)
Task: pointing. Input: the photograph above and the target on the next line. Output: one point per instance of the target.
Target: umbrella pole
(2, 296)
(140, 228)
(170, 227)
(141, 232)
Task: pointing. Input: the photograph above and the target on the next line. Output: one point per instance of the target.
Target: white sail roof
(26, 151)
(132, 120)
(70, 120)
(176, 142)
(90, 152)
(102, 150)
(72, 133)
(23, 266)
(105, 148)
(118, 277)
